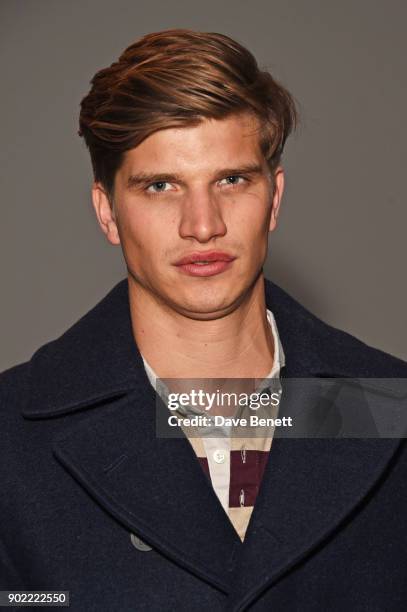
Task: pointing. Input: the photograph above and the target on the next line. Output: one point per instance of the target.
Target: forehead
(233, 140)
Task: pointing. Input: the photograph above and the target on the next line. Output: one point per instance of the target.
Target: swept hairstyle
(177, 78)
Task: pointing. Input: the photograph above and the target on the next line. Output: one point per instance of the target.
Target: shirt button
(219, 456)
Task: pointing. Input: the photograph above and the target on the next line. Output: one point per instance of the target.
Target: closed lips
(204, 258)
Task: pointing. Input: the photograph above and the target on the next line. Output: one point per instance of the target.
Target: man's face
(189, 192)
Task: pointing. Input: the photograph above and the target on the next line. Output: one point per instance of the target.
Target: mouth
(205, 263)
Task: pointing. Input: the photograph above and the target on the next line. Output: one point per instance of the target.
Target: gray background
(340, 247)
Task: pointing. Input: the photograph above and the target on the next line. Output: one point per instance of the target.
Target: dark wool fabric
(82, 469)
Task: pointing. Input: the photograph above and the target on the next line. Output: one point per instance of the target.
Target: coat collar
(98, 359)
(94, 360)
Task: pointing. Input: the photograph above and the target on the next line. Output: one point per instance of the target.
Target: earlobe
(104, 213)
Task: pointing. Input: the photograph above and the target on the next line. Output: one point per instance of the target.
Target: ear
(105, 213)
(278, 182)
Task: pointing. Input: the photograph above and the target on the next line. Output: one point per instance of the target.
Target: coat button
(139, 544)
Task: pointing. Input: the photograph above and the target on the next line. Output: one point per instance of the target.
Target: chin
(206, 307)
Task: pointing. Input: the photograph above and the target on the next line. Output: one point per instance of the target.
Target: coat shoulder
(339, 352)
(13, 389)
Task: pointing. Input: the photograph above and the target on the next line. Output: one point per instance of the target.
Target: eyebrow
(143, 178)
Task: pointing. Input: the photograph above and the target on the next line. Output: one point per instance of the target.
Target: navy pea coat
(82, 469)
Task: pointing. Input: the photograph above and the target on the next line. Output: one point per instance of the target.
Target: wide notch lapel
(154, 486)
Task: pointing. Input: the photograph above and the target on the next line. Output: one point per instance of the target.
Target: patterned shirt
(234, 465)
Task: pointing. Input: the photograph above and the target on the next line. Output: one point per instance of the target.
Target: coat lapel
(154, 486)
(309, 488)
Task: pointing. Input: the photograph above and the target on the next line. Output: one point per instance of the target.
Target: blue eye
(158, 184)
(234, 181)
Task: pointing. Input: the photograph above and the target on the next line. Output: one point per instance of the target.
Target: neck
(238, 345)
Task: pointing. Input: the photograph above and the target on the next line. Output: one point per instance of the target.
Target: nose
(201, 216)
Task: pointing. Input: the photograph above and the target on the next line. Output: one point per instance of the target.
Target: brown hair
(176, 78)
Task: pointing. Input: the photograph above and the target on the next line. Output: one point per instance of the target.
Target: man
(186, 135)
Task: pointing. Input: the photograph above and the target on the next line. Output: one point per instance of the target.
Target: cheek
(134, 232)
(146, 235)
(252, 220)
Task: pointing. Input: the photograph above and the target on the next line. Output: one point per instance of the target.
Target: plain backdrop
(340, 248)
